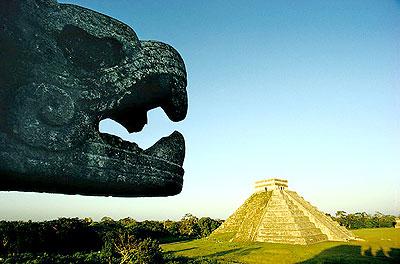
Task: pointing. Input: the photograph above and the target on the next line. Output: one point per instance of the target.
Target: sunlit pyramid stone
(397, 224)
(270, 184)
(278, 215)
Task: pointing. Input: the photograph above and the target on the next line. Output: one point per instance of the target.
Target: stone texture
(281, 216)
(63, 69)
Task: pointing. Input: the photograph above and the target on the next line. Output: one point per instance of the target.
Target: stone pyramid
(275, 214)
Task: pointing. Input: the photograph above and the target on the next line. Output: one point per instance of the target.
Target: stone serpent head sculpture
(63, 69)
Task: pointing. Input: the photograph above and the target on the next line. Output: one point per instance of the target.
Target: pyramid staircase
(277, 215)
(332, 229)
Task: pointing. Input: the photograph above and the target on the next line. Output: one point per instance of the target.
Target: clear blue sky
(303, 90)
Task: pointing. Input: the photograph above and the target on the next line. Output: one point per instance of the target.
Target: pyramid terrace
(275, 214)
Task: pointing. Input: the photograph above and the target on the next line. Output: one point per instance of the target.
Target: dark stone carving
(63, 69)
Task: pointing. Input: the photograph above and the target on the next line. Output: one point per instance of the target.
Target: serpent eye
(87, 51)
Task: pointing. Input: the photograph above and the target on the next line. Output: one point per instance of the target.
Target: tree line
(364, 220)
(74, 240)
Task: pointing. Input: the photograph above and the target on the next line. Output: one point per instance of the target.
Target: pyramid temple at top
(278, 215)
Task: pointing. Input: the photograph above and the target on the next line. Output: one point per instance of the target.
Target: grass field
(380, 245)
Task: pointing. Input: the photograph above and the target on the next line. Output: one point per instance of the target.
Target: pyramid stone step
(274, 214)
(290, 232)
(234, 221)
(284, 209)
(329, 227)
(277, 203)
(281, 214)
(316, 238)
(287, 219)
(284, 218)
(310, 232)
(293, 240)
(287, 226)
(282, 240)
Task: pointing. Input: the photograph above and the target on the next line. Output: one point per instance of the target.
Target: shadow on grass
(354, 254)
(236, 251)
(174, 240)
(180, 250)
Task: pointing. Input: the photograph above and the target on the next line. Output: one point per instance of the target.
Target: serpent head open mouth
(63, 69)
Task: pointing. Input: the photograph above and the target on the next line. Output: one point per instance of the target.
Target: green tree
(207, 225)
(147, 251)
(188, 226)
(134, 251)
(172, 228)
(107, 219)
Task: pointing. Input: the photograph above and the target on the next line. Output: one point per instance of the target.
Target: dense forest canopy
(86, 241)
